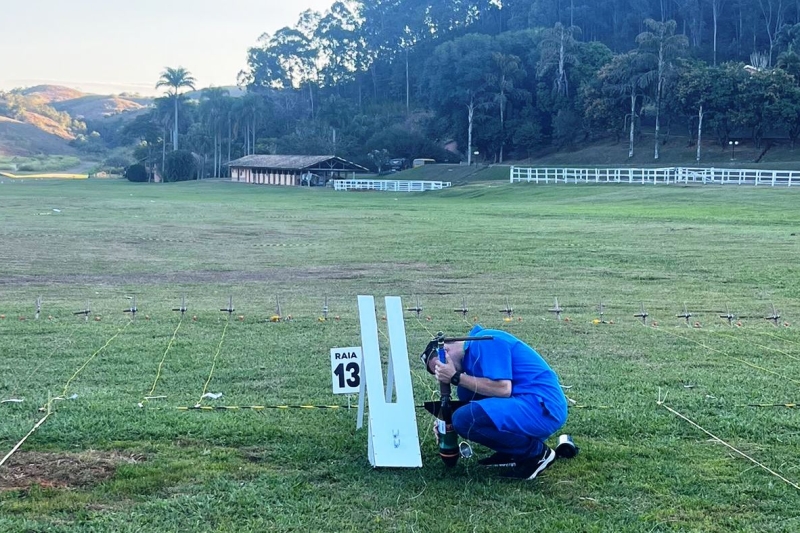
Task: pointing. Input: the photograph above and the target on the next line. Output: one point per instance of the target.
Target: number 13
(352, 369)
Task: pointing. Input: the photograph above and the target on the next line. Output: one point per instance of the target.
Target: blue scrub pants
(472, 423)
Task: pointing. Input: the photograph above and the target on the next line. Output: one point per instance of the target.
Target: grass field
(38, 164)
(100, 463)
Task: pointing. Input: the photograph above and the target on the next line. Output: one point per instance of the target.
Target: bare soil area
(61, 470)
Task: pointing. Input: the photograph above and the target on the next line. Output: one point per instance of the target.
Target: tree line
(500, 78)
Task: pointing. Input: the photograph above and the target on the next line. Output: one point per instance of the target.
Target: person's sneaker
(530, 468)
(498, 459)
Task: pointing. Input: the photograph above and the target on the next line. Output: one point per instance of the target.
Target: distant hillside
(47, 94)
(77, 104)
(136, 97)
(21, 139)
(95, 107)
(44, 119)
(46, 124)
(233, 90)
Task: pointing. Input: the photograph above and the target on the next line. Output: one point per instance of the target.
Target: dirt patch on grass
(254, 454)
(61, 470)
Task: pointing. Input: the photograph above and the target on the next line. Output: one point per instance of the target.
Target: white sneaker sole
(547, 461)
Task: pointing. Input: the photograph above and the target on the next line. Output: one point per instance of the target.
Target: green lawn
(38, 163)
(100, 463)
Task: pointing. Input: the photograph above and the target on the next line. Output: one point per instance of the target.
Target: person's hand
(444, 371)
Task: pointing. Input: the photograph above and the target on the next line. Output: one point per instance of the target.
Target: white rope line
(35, 427)
(698, 426)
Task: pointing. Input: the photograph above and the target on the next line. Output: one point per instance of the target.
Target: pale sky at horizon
(113, 46)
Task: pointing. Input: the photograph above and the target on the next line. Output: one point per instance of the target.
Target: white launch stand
(393, 435)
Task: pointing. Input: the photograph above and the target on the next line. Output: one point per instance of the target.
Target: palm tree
(214, 110)
(161, 116)
(248, 112)
(174, 79)
(658, 49)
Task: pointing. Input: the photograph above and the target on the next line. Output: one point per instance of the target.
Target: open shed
(293, 169)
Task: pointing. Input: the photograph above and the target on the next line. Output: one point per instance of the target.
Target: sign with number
(346, 370)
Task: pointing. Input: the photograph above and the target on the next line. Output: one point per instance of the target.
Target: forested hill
(496, 80)
(504, 79)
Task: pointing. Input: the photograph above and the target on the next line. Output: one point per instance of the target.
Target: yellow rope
(426, 382)
(214, 363)
(48, 405)
(120, 330)
(695, 424)
(756, 344)
(434, 392)
(48, 358)
(784, 339)
(163, 358)
(727, 355)
(430, 335)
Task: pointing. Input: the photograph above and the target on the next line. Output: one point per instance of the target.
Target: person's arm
(500, 388)
(487, 387)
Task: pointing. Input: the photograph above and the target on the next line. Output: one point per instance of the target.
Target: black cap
(430, 351)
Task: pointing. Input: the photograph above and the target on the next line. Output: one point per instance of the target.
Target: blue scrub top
(536, 395)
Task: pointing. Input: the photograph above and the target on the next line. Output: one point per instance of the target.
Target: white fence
(389, 185)
(679, 175)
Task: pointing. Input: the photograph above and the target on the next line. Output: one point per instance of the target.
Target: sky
(114, 46)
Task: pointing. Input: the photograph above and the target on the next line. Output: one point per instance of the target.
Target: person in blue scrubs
(515, 400)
